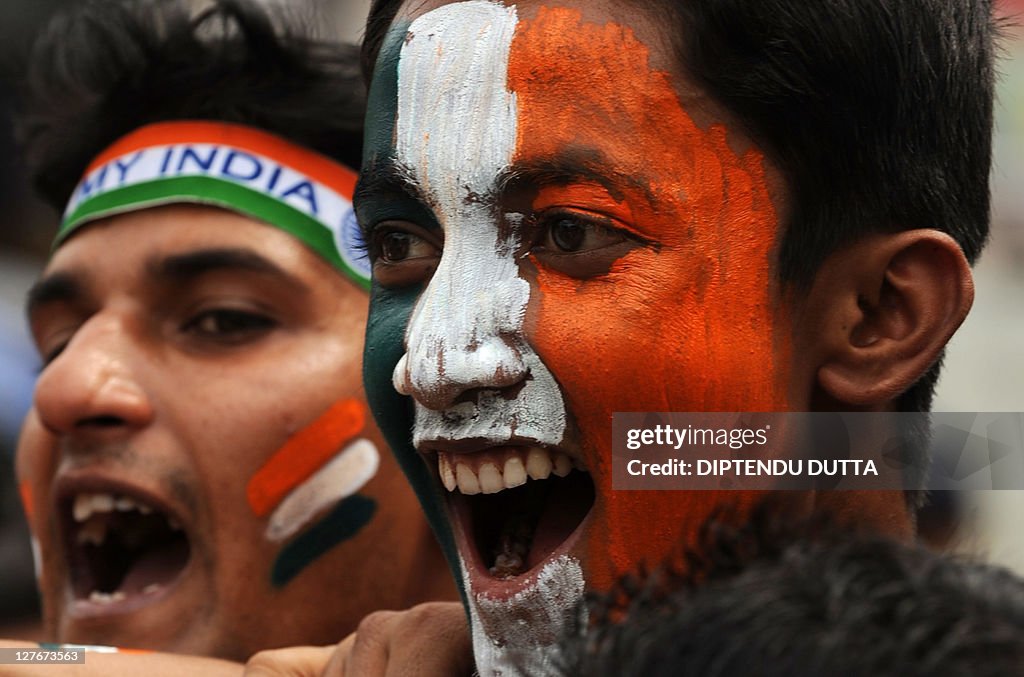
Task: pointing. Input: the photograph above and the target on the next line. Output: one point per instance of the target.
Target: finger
(295, 661)
(431, 640)
(368, 656)
(336, 666)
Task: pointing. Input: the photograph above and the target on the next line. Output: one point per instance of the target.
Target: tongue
(157, 565)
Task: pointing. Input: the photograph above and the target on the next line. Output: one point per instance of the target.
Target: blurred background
(984, 366)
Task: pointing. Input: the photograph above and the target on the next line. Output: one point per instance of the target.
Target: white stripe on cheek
(341, 477)
(456, 134)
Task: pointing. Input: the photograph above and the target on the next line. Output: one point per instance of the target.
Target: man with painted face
(578, 208)
(199, 468)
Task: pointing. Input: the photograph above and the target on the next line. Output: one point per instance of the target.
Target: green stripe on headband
(208, 190)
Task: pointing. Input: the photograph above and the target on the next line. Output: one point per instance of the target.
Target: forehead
(637, 34)
(592, 87)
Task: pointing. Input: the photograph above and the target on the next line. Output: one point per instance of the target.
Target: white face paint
(518, 637)
(342, 476)
(37, 559)
(455, 137)
(466, 330)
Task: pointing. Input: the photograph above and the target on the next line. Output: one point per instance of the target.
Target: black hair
(106, 67)
(768, 600)
(878, 113)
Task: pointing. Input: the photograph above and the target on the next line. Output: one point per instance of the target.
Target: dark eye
(403, 253)
(579, 244)
(50, 354)
(397, 246)
(228, 324)
(570, 233)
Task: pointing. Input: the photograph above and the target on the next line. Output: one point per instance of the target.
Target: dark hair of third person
(773, 597)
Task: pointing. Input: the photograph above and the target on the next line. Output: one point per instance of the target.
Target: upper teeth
(483, 473)
(88, 504)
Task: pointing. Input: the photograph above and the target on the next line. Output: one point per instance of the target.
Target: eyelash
(255, 323)
(51, 355)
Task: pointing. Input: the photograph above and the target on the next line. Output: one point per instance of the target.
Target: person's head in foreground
(578, 208)
(769, 601)
(200, 468)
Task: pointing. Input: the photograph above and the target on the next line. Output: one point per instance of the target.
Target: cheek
(385, 345)
(689, 328)
(35, 467)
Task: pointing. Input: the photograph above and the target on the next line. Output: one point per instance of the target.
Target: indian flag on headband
(233, 167)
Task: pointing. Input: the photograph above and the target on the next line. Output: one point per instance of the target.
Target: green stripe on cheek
(340, 524)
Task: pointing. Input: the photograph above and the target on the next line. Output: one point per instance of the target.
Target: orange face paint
(25, 491)
(303, 454)
(687, 323)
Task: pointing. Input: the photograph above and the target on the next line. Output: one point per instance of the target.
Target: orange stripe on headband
(317, 166)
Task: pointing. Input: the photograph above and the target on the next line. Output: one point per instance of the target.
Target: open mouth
(516, 505)
(121, 547)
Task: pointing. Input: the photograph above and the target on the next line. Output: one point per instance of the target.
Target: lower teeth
(105, 598)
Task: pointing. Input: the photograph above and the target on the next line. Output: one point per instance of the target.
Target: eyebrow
(61, 287)
(385, 176)
(583, 166)
(181, 268)
(589, 165)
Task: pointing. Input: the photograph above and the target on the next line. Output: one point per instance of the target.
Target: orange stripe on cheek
(25, 491)
(303, 454)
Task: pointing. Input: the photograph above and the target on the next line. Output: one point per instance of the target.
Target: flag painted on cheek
(693, 317)
(308, 487)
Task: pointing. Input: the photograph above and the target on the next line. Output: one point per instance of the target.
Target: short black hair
(106, 67)
(879, 114)
(767, 601)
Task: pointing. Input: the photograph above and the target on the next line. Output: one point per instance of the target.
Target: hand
(429, 640)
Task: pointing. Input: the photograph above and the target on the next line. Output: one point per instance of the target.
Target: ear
(887, 305)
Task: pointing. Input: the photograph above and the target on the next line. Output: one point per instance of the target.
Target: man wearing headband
(199, 469)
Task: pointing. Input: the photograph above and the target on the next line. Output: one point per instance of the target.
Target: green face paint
(376, 201)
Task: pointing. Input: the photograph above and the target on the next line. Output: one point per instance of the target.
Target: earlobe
(896, 301)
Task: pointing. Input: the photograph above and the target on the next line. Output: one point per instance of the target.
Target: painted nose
(91, 388)
(464, 337)
(439, 374)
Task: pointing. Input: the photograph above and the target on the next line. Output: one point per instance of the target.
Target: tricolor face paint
(555, 239)
(199, 460)
(309, 485)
